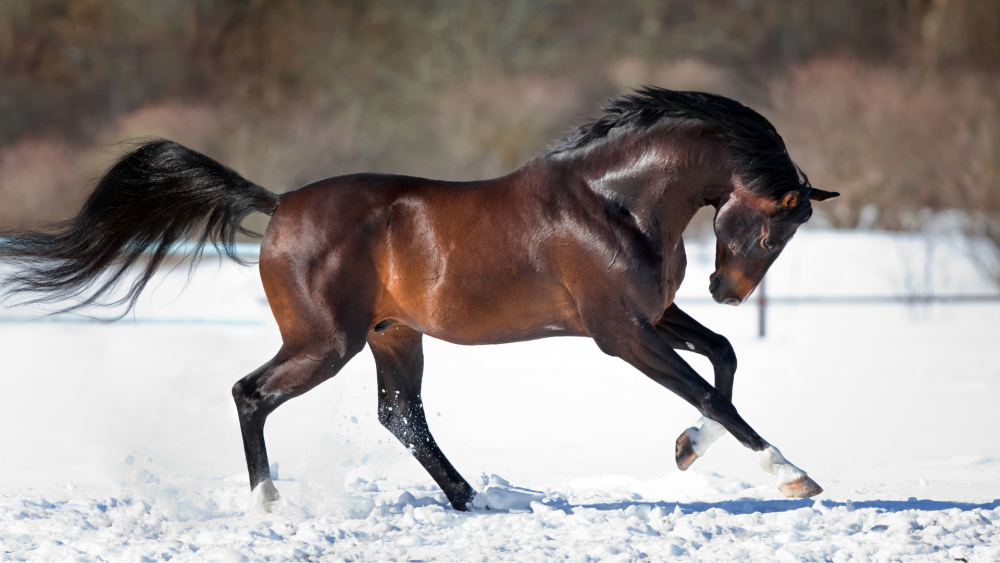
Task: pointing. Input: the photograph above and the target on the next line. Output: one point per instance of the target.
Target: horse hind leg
(321, 297)
(257, 395)
(399, 359)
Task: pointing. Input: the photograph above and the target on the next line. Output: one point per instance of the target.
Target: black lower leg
(408, 424)
(653, 355)
(253, 409)
(260, 393)
(721, 410)
(400, 362)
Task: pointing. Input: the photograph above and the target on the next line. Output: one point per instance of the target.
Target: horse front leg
(639, 344)
(682, 332)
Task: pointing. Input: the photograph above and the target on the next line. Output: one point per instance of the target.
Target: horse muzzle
(726, 290)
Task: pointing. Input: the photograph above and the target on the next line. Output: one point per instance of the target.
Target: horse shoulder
(613, 264)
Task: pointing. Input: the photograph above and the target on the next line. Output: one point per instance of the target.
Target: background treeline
(895, 103)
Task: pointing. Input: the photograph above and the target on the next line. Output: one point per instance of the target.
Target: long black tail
(157, 194)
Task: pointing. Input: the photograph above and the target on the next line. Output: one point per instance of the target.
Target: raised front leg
(399, 359)
(640, 344)
(682, 332)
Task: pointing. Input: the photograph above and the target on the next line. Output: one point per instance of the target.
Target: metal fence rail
(764, 300)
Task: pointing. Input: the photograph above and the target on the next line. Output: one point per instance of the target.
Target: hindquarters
(318, 273)
(321, 285)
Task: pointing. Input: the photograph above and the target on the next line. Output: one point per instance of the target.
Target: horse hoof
(803, 487)
(263, 496)
(684, 450)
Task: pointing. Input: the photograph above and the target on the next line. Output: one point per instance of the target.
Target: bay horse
(584, 240)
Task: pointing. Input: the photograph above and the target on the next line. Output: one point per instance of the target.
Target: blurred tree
(868, 92)
(70, 65)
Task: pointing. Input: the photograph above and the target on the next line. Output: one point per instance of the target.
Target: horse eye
(766, 243)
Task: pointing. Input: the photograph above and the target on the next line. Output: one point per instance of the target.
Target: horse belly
(485, 308)
(470, 277)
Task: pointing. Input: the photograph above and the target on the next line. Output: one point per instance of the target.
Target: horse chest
(674, 265)
(654, 284)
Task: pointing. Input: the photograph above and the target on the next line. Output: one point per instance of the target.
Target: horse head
(751, 230)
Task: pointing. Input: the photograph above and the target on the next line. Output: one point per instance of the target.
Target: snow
(263, 496)
(498, 494)
(120, 442)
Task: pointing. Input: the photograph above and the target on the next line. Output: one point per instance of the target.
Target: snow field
(573, 525)
(120, 442)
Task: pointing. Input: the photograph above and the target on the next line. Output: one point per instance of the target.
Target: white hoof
(263, 496)
(803, 488)
(707, 432)
(695, 441)
(792, 481)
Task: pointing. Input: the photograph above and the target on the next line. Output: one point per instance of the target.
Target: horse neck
(662, 175)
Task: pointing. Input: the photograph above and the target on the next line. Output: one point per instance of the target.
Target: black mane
(754, 145)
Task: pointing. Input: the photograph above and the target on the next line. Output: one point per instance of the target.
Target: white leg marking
(263, 496)
(705, 435)
(773, 462)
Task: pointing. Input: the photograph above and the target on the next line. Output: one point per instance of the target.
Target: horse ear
(820, 195)
(789, 200)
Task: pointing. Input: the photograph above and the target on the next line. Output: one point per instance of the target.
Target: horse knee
(403, 419)
(723, 353)
(394, 422)
(388, 408)
(393, 415)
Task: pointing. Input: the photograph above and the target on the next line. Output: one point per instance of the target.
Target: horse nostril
(713, 286)
(731, 301)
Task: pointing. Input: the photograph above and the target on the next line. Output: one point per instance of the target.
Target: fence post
(762, 309)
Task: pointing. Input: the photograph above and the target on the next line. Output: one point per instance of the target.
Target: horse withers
(584, 240)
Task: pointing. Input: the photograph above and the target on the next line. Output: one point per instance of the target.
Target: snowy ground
(120, 442)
